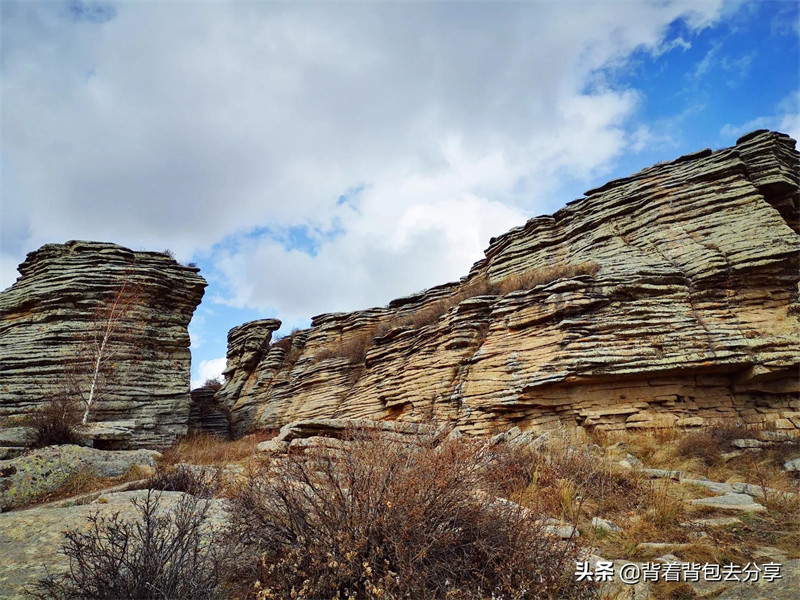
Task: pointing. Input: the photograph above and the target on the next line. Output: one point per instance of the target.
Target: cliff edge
(669, 297)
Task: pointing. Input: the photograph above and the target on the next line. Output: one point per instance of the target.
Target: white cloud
(785, 119)
(176, 125)
(209, 369)
(8, 269)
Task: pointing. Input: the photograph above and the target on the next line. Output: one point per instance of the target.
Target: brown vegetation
(354, 346)
(392, 520)
(212, 384)
(56, 423)
(207, 449)
(160, 555)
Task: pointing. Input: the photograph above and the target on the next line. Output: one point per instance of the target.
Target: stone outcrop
(669, 297)
(207, 414)
(32, 539)
(28, 479)
(53, 319)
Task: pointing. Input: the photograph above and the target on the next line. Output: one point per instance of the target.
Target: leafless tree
(106, 351)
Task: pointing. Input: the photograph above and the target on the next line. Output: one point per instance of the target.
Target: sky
(327, 156)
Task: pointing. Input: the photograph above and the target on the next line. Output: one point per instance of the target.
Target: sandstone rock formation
(53, 317)
(669, 297)
(207, 414)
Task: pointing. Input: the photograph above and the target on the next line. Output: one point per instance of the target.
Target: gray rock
(600, 523)
(712, 522)
(51, 315)
(562, 531)
(741, 502)
(719, 488)
(207, 414)
(748, 443)
(27, 478)
(631, 462)
(792, 465)
(273, 446)
(662, 474)
(540, 442)
(16, 436)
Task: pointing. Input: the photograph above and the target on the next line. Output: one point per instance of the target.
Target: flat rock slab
(730, 502)
(714, 486)
(712, 522)
(26, 478)
(31, 539)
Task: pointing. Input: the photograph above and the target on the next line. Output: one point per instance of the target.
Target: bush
(385, 519)
(160, 555)
(56, 423)
(202, 482)
(212, 384)
(709, 444)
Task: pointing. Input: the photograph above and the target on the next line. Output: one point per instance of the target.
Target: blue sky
(317, 157)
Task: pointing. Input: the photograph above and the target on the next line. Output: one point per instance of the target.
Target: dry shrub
(208, 449)
(391, 520)
(197, 481)
(568, 474)
(353, 348)
(212, 384)
(709, 444)
(56, 423)
(159, 555)
(666, 509)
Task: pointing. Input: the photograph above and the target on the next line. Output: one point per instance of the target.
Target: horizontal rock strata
(54, 319)
(669, 297)
(208, 415)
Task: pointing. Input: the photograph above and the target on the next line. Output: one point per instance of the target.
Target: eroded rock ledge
(49, 320)
(669, 297)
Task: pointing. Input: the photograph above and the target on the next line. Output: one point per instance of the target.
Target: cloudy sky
(319, 157)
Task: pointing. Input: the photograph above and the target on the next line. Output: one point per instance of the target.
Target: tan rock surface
(666, 298)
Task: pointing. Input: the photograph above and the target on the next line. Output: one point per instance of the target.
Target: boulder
(28, 478)
(741, 502)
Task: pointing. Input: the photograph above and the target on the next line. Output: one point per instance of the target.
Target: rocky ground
(720, 496)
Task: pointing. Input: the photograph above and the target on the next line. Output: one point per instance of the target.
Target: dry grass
(84, 482)
(354, 347)
(391, 520)
(531, 278)
(206, 449)
(572, 480)
(700, 453)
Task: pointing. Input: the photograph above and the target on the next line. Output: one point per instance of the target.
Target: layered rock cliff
(669, 297)
(53, 322)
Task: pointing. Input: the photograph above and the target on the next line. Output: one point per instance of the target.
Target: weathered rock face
(207, 414)
(54, 319)
(666, 298)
